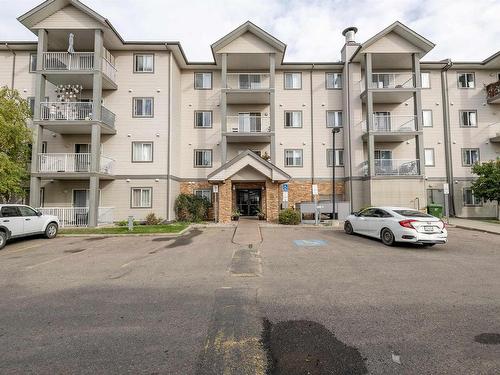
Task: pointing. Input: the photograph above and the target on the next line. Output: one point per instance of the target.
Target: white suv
(17, 220)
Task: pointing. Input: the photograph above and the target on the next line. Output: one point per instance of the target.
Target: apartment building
(121, 128)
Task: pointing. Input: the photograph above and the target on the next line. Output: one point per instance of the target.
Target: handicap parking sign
(284, 187)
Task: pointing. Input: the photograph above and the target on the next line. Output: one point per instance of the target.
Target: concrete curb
(474, 229)
(173, 235)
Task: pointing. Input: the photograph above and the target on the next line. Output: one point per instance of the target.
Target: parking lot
(146, 304)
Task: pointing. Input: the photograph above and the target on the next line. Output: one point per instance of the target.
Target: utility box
(435, 210)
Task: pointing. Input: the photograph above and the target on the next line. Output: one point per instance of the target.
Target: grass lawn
(138, 229)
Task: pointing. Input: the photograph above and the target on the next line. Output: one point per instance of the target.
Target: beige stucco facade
(381, 98)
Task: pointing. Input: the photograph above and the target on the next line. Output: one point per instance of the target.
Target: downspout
(169, 122)
(312, 124)
(13, 63)
(348, 122)
(447, 135)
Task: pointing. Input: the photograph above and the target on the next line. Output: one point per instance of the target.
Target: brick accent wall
(225, 201)
(272, 200)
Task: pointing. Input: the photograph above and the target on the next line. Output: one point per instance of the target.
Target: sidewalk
(478, 225)
(247, 232)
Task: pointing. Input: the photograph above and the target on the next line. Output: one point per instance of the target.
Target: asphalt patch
(246, 262)
(488, 338)
(73, 251)
(299, 347)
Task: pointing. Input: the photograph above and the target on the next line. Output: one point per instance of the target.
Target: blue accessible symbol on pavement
(309, 243)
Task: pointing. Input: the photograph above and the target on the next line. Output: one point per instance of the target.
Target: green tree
(15, 141)
(487, 185)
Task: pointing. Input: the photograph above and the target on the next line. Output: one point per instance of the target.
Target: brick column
(225, 201)
(272, 201)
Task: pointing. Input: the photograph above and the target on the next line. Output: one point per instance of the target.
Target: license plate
(429, 229)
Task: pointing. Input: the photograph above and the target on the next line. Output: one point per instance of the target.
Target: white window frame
(293, 116)
(431, 118)
(334, 83)
(467, 154)
(427, 81)
(468, 83)
(296, 83)
(206, 121)
(204, 193)
(135, 157)
(339, 157)
(33, 61)
(337, 119)
(471, 118)
(204, 85)
(427, 162)
(142, 200)
(297, 155)
(143, 56)
(210, 159)
(143, 106)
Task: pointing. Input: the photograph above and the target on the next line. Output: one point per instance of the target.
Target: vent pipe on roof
(350, 34)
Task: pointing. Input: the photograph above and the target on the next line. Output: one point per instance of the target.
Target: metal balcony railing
(72, 163)
(392, 80)
(74, 111)
(391, 123)
(78, 216)
(248, 81)
(248, 124)
(394, 167)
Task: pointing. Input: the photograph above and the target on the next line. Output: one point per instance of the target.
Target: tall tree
(487, 185)
(15, 141)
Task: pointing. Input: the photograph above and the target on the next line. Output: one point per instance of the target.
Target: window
(204, 193)
(383, 154)
(470, 199)
(468, 119)
(470, 156)
(10, 211)
(425, 78)
(466, 81)
(203, 158)
(293, 119)
(429, 157)
(31, 104)
(203, 81)
(27, 211)
(333, 119)
(339, 157)
(369, 212)
(427, 118)
(143, 107)
(142, 152)
(33, 58)
(144, 63)
(141, 197)
(412, 213)
(333, 81)
(44, 147)
(293, 81)
(202, 119)
(293, 158)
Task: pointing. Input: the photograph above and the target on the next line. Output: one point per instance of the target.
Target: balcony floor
(391, 136)
(389, 95)
(254, 96)
(71, 176)
(81, 77)
(264, 137)
(75, 126)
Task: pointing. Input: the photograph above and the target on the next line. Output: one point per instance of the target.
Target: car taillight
(407, 223)
(444, 224)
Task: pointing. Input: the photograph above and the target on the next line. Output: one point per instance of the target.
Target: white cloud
(461, 29)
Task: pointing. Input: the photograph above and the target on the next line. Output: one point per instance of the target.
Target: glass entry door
(248, 201)
(249, 122)
(82, 157)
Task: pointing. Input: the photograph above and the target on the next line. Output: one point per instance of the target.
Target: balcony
(391, 128)
(248, 128)
(74, 117)
(78, 216)
(493, 93)
(394, 167)
(391, 87)
(71, 166)
(494, 132)
(248, 88)
(77, 68)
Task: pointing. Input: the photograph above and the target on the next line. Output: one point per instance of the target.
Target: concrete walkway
(478, 225)
(247, 232)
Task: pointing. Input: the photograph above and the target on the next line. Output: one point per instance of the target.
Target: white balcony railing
(74, 111)
(391, 124)
(394, 167)
(78, 216)
(392, 80)
(248, 81)
(72, 163)
(248, 124)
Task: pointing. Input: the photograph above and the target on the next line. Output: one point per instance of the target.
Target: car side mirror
(355, 213)
(38, 213)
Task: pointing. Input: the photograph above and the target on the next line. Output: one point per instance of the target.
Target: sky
(463, 30)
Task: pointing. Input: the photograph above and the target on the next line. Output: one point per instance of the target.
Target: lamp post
(335, 130)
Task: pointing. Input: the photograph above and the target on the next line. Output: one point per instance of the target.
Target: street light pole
(335, 130)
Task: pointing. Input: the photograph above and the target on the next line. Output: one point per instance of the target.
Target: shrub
(191, 208)
(151, 219)
(289, 217)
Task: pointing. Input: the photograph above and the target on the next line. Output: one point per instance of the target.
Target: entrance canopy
(248, 166)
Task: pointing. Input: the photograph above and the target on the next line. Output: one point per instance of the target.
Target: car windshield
(412, 213)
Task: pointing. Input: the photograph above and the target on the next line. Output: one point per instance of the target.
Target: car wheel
(387, 237)
(3, 239)
(348, 228)
(51, 230)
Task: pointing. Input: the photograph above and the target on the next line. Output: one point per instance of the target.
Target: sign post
(446, 192)
(284, 188)
(215, 189)
(315, 194)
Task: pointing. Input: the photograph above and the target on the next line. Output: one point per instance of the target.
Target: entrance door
(382, 121)
(248, 201)
(82, 162)
(249, 122)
